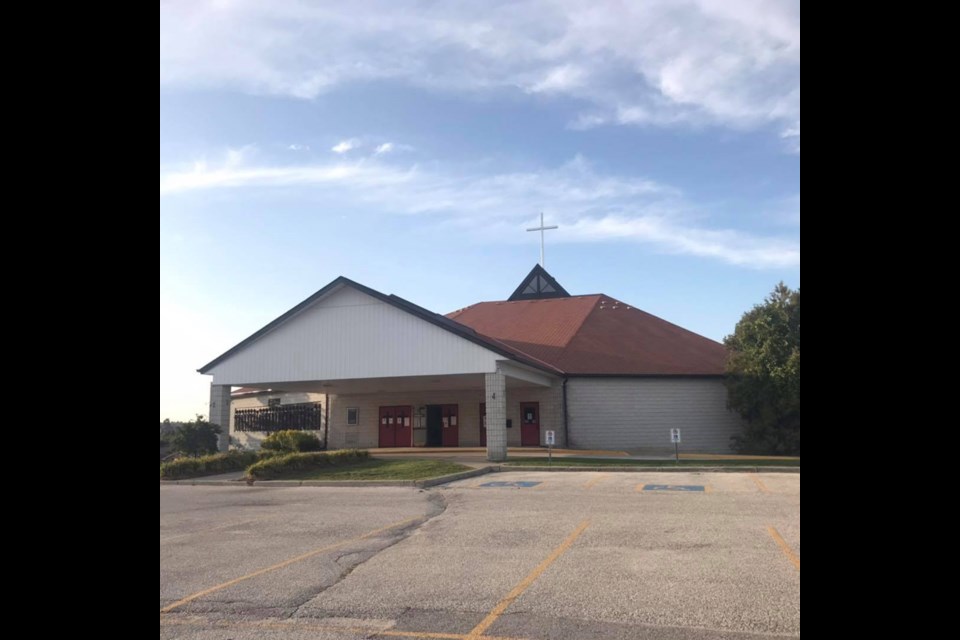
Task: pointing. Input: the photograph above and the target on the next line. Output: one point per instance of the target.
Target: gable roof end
(443, 322)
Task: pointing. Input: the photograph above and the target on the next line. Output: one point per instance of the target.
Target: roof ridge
(597, 335)
(631, 307)
(520, 351)
(565, 298)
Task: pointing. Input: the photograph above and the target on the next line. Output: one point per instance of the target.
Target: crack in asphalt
(438, 505)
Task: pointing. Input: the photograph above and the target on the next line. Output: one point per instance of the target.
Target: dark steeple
(538, 285)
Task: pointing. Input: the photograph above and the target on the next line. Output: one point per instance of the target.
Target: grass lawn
(381, 469)
(612, 462)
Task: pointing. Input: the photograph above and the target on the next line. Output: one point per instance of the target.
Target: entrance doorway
(443, 425)
(434, 425)
(483, 424)
(530, 424)
(396, 427)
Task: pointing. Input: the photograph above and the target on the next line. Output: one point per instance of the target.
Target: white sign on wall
(675, 436)
(551, 438)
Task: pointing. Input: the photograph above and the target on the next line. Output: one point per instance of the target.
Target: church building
(368, 369)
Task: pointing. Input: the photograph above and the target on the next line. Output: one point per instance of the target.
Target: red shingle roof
(595, 334)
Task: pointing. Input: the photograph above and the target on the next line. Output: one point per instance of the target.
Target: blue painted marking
(518, 485)
(673, 487)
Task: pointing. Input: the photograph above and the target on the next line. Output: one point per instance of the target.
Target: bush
(209, 465)
(195, 438)
(763, 375)
(291, 441)
(282, 465)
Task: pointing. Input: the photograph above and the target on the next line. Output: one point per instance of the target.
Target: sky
(408, 146)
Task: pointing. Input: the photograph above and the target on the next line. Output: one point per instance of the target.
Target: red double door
(529, 424)
(396, 427)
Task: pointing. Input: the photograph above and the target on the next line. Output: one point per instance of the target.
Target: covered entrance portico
(394, 375)
(437, 411)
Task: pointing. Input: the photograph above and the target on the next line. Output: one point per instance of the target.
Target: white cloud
(345, 146)
(590, 207)
(566, 78)
(386, 147)
(728, 245)
(792, 137)
(298, 147)
(733, 63)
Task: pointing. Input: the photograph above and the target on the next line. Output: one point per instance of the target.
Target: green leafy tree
(196, 438)
(763, 381)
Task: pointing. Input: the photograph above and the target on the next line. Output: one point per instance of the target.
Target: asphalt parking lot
(535, 555)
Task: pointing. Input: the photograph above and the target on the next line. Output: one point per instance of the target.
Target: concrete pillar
(496, 392)
(220, 413)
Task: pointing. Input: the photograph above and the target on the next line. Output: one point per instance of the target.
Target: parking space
(537, 555)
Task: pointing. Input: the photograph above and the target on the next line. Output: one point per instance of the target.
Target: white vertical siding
(638, 413)
(350, 335)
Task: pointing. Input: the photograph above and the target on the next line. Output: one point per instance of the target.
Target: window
(273, 402)
(353, 416)
(301, 417)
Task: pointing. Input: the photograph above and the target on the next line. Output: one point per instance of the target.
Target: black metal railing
(299, 417)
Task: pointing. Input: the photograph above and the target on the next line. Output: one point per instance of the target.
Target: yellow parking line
(592, 483)
(787, 551)
(301, 625)
(757, 481)
(280, 565)
(486, 623)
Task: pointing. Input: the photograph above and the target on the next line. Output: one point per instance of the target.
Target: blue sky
(409, 146)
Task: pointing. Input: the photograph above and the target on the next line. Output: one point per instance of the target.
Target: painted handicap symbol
(517, 485)
(674, 487)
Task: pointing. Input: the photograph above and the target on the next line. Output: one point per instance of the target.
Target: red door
(483, 424)
(396, 427)
(451, 425)
(530, 424)
(404, 434)
(388, 435)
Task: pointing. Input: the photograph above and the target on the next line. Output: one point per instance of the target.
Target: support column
(496, 392)
(220, 413)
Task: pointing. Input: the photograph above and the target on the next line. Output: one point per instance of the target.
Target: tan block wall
(366, 435)
(638, 414)
(252, 439)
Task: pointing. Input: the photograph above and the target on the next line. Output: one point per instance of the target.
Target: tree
(196, 438)
(763, 374)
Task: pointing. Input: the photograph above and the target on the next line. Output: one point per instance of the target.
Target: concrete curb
(654, 468)
(198, 481)
(333, 483)
(429, 482)
(453, 477)
(464, 475)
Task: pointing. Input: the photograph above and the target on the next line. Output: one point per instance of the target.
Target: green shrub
(209, 465)
(195, 438)
(282, 465)
(291, 441)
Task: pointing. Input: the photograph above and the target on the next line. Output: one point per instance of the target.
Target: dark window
(353, 416)
(273, 402)
(299, 417)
